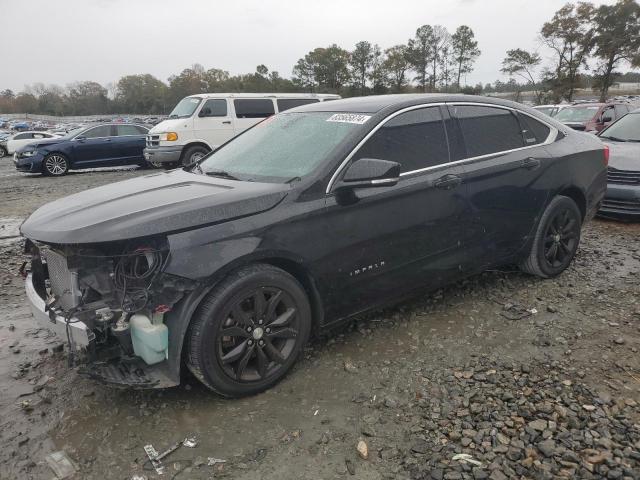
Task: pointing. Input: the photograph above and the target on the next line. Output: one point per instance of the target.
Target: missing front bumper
(67, 329)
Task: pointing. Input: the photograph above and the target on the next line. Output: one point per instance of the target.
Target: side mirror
(205, 112)
(370, 172)
(80, 139)
(606, 119)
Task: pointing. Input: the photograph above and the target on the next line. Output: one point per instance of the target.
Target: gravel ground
(526, 378)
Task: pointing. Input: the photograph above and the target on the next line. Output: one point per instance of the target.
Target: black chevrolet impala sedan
(228, 265)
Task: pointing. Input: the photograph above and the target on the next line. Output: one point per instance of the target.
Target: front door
(213, 123)
(94, 147)
(390, 240)
(504, 176)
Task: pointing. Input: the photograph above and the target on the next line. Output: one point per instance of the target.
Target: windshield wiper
(221, 174)
(615, 139)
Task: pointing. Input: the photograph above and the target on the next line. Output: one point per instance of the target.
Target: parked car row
(587, 116)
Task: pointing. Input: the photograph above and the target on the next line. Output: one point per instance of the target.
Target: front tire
(193, 154)
(3, 152)
(55, 165)
(557, 239)
(248, 331)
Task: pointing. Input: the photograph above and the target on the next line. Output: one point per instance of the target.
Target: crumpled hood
(42, 143)
(158, 203)
(624, 155)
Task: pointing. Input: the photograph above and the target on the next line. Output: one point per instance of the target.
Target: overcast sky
(63, 41)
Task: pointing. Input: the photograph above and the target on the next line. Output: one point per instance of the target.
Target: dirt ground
(532, 378)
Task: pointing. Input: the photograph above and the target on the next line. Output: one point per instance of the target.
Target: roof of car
(376, 103)
(265, 95)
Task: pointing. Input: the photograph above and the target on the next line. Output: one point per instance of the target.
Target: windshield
(74, 132)
(545, 110)
(185, 108)
(281, 148)
(577, 114)
(627, 129)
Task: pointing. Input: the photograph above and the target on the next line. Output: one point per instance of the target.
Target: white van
(200, 123)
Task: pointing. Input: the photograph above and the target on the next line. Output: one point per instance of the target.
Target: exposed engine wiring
(136, 268)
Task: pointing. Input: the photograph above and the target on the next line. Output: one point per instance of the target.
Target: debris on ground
(61, 464)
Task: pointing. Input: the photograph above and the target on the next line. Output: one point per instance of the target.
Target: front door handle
(448, 182)
(227, 122)
(530, 163)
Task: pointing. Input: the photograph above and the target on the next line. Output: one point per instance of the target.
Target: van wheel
(193, 154)
(248, 331)
(556, 240)
(55, 165)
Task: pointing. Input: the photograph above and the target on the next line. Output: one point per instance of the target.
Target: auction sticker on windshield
(348, 118)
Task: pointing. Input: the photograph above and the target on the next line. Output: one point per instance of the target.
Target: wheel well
(308, 283)
(577, 196)
(194, 144)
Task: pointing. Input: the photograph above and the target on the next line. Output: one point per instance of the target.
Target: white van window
(287, 103)
(253, 108)
(214, 107)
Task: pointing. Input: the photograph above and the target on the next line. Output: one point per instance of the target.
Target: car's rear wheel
(556, 240)
(193, 154)
(248, 331)
(55, 165)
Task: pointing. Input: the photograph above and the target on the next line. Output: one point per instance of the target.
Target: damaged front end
(108, 302)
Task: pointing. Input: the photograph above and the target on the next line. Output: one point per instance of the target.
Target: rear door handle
(448, 182)
(530, 163)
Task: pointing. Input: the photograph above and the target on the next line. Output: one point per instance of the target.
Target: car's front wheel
(193, 154)
(248, 331)
(557, 239)
(55, 165)
(3, 152)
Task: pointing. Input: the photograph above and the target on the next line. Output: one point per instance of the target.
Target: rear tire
(55, 165)
(557, 239)
(193, 154)
(248, 332)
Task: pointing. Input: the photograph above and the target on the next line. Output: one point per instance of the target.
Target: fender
(179, 318)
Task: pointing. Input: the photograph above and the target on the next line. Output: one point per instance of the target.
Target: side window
(488, 129)
(415, 139)
(123, 130)
(533, 131)
(23, 136)
(253, 108)
(98, 132)
(39, 135)
(141, 130)
(607, 112)
(288, 103)
(214, 107)
(621, 110)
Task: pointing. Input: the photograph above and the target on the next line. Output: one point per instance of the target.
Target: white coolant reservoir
(150, 341)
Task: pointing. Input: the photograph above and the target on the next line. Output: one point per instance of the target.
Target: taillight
(606, 155)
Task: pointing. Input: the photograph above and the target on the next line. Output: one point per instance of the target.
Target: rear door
(214, 123)
(249, 111)
(130, 141)
(390, 240)
(504, 169)
(95, 147)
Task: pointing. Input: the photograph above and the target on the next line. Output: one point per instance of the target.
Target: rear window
(124, 130)
(488, 130)
(253, 108)
(533, 131)
(288, 103)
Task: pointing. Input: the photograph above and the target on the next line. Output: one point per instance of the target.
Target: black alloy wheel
(561, 238)
(556, 240)
(248, 332)
(258, 335)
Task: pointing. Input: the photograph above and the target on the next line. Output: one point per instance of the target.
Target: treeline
(432, 60)
(606, 37)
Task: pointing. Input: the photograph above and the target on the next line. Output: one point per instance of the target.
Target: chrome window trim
(553, 134)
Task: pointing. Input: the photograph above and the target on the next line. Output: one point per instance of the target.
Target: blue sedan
(104, 145)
